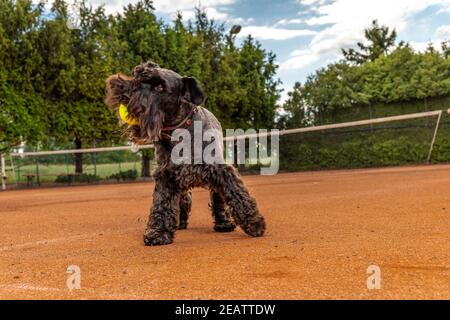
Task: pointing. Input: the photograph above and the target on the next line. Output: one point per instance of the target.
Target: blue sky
(308, 34)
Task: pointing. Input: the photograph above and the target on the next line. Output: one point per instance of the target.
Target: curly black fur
(185, 209)
(159, 98)
(221, 214)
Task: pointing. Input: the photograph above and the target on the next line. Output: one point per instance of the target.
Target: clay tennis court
(324, 230)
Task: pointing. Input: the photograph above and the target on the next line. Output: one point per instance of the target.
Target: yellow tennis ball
(125, 116)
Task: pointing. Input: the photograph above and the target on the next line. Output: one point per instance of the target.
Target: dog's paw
(256, 228)
(156, 238)
(224, 227)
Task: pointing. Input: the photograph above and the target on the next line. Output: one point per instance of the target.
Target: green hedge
(84, 178)
(388, 144)
(129, 175)
(361, 153)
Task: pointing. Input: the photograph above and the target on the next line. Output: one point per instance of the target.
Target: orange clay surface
(324, 230)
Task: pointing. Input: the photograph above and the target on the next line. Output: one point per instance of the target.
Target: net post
(13, 169)
(38, 180)
(3, 171)
(433, 141)
(94, 158)
(18, 169)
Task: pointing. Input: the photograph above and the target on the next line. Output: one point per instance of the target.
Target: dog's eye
(159, 88)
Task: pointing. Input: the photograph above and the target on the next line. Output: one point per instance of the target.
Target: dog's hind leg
(163, 218)
(185, 209)
(221, 214)
(225, 180)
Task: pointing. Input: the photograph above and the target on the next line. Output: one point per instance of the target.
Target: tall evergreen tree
(22, 111)
(83, 60)
(380, 39)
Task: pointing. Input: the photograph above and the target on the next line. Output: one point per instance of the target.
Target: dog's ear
(193, 91)
(117, 90)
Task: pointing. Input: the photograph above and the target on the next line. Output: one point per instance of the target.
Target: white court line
(231, 294)
(70, 238)
(27, 287)
(81, 293)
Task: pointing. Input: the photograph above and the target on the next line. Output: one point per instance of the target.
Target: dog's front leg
(185, 209)
(164, 214)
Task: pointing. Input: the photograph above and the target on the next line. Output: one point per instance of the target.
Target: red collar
(166, 131)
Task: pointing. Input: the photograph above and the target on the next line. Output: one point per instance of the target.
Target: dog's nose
(148, 73)
(146, 70)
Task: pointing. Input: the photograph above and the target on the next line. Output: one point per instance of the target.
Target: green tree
(22, 111)
(380, 39)
(85, 59)
(446, 49)
(140, 29)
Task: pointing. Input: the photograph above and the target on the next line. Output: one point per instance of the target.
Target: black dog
(163, 102)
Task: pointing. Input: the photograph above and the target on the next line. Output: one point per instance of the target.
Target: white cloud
(283, 22)
(170, 6)
(216, 9)
(356, 12)
(311, 2)
(312, 6)
(347, 19)
(218, 16)
(299, 59)
(167, 6)
(212, 13)
(423, 46)
(443, 32)
(187, 7)
(271, 33)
